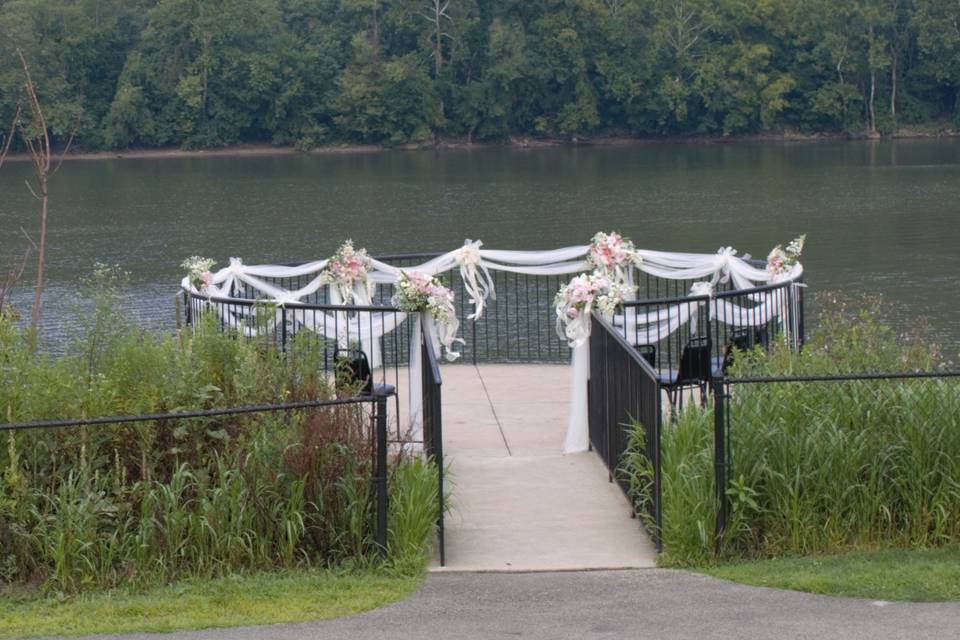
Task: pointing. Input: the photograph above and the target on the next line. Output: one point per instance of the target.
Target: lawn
(263, 598)
(916, 576)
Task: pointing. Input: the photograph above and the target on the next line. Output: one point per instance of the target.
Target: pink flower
(206, 278)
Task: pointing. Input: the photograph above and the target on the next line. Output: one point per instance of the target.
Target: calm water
(882, 217)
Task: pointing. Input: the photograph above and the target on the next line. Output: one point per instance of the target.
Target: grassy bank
(930, 575)
(239, 600)
(453, 143)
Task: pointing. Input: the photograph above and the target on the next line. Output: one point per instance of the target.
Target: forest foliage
(202, 73)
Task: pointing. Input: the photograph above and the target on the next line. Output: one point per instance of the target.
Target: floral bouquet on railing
(198, 272)
(347, 269)
(416, 292)
(578, 298)
(781, 261)
(611, 253)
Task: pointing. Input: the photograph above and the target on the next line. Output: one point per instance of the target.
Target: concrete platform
(517, 502)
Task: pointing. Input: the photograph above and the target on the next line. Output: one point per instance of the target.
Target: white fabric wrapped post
(578, 426)
(415, 379)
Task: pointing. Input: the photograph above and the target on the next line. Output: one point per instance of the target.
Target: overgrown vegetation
(187, 73)
(817, 467)
(145, 503)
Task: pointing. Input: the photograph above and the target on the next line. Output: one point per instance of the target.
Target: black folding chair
(696, 366)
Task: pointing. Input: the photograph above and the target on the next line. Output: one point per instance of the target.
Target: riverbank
(515, 142)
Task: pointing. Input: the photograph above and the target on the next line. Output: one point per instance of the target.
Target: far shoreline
(253, 150)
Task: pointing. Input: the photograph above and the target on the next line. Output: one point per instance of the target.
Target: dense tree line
(198, 73)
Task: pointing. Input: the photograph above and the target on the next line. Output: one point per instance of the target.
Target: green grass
(263, 598)
(914, 576)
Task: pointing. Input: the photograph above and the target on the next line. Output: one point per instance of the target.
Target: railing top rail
(249, 302)
(631, 351)
(720, 294)
(841, 377)
(182, 415)
(301, 306)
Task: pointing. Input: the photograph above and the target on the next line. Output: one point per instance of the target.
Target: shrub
(157, 501)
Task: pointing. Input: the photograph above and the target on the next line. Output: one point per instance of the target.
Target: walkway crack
(493, 409)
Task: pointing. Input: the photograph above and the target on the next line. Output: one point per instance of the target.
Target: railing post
(381, 474)
(799, 286)
(283, 328)
(719, 457)
(438, 459)
(473, 345)
(188, 307)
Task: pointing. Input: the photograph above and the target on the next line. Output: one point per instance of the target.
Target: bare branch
(36, 137)
(38, 122)
(30, 188)
(66, 150)
(7, 141)
(27, 236)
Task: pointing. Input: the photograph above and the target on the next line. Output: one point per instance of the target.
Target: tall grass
(817, 466)
(153, 502)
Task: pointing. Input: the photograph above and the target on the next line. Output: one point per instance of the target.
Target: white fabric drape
(475, 264)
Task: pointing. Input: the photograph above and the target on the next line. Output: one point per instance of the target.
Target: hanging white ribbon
(476, 278)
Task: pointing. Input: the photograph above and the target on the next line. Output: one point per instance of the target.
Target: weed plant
(142, 504)
(817, 467)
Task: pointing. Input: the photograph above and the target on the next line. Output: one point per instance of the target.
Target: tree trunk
(873, 93)
(376, 32)
(893, 89)
(41, 256)
(438, 51)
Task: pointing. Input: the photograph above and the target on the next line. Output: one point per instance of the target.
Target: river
(881, 217)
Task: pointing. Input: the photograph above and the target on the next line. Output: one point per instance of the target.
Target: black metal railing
(690, 339)
(517, 323)
(169, 422)
(881, 403)
(623, 389)
(433, 430)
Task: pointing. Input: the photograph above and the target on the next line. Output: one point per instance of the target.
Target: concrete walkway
(518, 503)
(645, 604)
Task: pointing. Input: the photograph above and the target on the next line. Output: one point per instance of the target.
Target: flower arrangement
(611, 252)
(417, 291)
(346, 269)
(782, 260)
(198, 272)
(579, 297)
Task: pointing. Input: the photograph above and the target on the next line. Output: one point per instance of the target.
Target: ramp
(517, 502)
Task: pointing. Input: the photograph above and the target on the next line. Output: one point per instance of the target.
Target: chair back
(694, 361)
(649, 353)
(352, 369)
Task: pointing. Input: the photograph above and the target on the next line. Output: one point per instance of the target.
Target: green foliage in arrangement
(150, 502)
(817, 467)
(145, 73)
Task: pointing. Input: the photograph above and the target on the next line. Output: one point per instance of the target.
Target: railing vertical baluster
(381, 474)
(719, 459)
